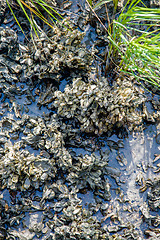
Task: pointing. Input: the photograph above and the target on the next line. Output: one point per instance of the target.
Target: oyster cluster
(20, 170)
(98, 107)
(59, 55)
(154, 195)
(41, 129)
(147, 208)
(2, 10)
(8, 43)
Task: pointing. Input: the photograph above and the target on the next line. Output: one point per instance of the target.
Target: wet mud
(79, 150)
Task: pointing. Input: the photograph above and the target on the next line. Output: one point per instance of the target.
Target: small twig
(97, 17)
(109, 23)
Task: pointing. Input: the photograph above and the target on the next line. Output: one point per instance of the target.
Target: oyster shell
(97, 107)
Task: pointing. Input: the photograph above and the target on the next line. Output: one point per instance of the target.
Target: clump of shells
(154, 195)
(99, 107)
(61, 53)
(8, 43)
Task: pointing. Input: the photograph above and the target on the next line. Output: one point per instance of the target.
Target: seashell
(27, 183)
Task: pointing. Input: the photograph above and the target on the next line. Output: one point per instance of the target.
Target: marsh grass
(34, 8)
(134, 45)
(133, 40)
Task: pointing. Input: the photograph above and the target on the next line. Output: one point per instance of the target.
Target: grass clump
(35, 8)
(137, 48)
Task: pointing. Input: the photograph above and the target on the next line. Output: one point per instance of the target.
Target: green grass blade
(20, 4)
(45, 6)
(15, 17)
(38, 14)
(100, 3)
(90, 2)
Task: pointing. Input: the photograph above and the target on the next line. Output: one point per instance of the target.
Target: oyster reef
(79, 149)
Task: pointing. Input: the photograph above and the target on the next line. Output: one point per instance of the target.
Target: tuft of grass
(138, 49)
(31, 8)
